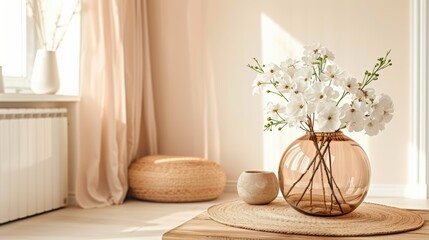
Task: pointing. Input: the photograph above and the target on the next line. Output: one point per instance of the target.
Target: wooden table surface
(202, 227)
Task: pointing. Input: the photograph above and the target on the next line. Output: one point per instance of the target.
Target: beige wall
(203, 98)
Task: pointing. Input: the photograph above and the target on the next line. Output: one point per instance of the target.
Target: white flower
(275, 109)
(272, 71)
(353, 117)
(355, 126)
(321, 106)
(285, 84)
(312, 53)
(316, 92)
(383, 109)
(372, 127)
(300, 87)
(366, 95)
(331, 93)
(290, 71)
(309, 60)
(258, 83)
(329, 55)
(332, 73)
(289, 63)
(329, 119)
(315, 49)
(303, 74)
(320, 92)
(294, 122)
(296, 108)
(351, 85)
(290, 66)
(352, 113)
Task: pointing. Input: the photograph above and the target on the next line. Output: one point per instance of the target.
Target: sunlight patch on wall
(277, 45)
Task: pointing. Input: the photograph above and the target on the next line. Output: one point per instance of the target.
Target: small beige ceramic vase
(257, 187)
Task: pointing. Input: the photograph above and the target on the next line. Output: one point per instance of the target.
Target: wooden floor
(130, 221)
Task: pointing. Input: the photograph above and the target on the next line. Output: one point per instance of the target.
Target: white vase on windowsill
(45, 78)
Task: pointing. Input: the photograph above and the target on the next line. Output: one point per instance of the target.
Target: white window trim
(419, 162)
(22, 84)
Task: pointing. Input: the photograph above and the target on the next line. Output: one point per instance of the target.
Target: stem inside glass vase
(322, 160)
(324, 173)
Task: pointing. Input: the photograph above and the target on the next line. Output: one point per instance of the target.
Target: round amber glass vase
(324, 174)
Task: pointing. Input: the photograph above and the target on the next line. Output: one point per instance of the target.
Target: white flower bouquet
(321, 99)
(317, 96)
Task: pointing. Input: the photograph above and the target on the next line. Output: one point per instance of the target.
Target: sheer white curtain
(116, 113)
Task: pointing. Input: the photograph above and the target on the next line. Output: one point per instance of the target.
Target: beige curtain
(116, 113)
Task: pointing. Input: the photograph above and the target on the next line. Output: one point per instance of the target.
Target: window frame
(14, 84)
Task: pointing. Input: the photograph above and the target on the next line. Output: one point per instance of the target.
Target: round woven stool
(175, 179)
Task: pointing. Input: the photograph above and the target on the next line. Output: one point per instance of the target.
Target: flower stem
(313, 161)
(312, 176)
(326, 170)
(342, 96)
(279, 94)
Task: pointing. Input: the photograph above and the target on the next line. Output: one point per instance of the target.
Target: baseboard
(387, 190)
(417, 191)
(231, 186)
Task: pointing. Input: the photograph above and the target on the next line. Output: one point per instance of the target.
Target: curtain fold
(116, 113)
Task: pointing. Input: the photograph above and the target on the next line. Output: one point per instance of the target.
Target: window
(17, 43)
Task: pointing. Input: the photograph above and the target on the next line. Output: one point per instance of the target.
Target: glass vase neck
(338, 135)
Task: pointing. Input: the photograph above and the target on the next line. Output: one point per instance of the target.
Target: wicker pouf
(175, 179)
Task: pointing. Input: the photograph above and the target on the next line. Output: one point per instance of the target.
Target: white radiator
(33, 161)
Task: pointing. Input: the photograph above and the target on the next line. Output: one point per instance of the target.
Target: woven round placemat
(368, 219)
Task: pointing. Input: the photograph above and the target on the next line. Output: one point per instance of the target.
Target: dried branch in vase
(51, 19)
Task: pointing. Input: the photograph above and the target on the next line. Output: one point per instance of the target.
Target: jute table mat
(369, 219)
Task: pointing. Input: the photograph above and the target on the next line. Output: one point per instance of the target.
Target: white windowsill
(19, 97)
